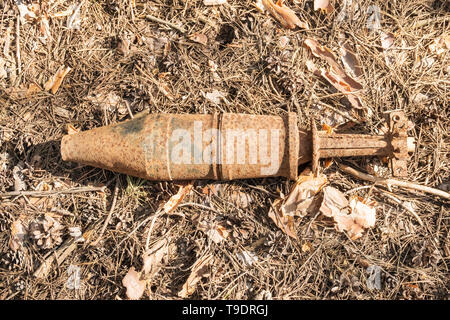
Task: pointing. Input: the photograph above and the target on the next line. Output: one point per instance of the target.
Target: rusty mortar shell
(212, 146)
(186, 146)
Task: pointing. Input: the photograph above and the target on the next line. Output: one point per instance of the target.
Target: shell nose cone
(115, 147)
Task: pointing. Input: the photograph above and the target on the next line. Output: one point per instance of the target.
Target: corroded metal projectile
(225, 146)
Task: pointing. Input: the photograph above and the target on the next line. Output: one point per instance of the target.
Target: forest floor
(119, 62)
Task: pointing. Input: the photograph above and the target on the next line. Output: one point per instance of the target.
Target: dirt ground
(123, 63)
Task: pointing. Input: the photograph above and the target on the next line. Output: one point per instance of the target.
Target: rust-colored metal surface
(223, 146)
(182, 147)
(396, 144)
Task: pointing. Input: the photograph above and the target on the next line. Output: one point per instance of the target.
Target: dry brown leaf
(199, 38)
(29, 12)
(392, 56)
(18, 233)
(335, 205)
(55, 81)
(32, 89)
(123, 46)
(284, 222)
(110, 102)
(333, 202)
(336, 76)
(216, 97)
(153, 256)
(343, 87)
(350, 61)
(44, 27)
(284, 15)
(323, 5)
(440, 45)
(74, 21)
(216, 232)
(175, 200)
(200, 269)
(259, 6)
(363, 212)
(135, 287)
(22, 91)
(241, 199)
(71, 129)
(306, 246)
(323, 52)
(302, 194)
(298, 203)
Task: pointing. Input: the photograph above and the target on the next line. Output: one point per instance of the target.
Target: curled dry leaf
(440, 45)
(200, 269)
(3, 73)
(336, 206)
(32, 89)
(333, 202)
(247, 258)
(153, 256)
(123, 46)
(392, 56)
(18, 233)
(71, 129)
(323, 5)
(336, 76)
(216, 232)
(241, 199)
(176, 199)
(110, 101)
(199, 38)
(55, 81)
(213, 69)
(29, 12)
(259, 5)
(216, 97)
(299, 202)
(284, 15)
(135, 287)
(74, 21)
(364, 213)
(44, 27)
(350, 61)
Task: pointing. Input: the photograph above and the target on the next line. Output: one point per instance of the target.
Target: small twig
(19, 62)
(170, 24)
(50, 192)
(129, 109)
(192, 204)
(113, 205)
(401, 203)
(421, 23)
(147, 242)
(59, 255)
(393, 182)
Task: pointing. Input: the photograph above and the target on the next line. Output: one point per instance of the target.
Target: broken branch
(393, 182)
(50, 192)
